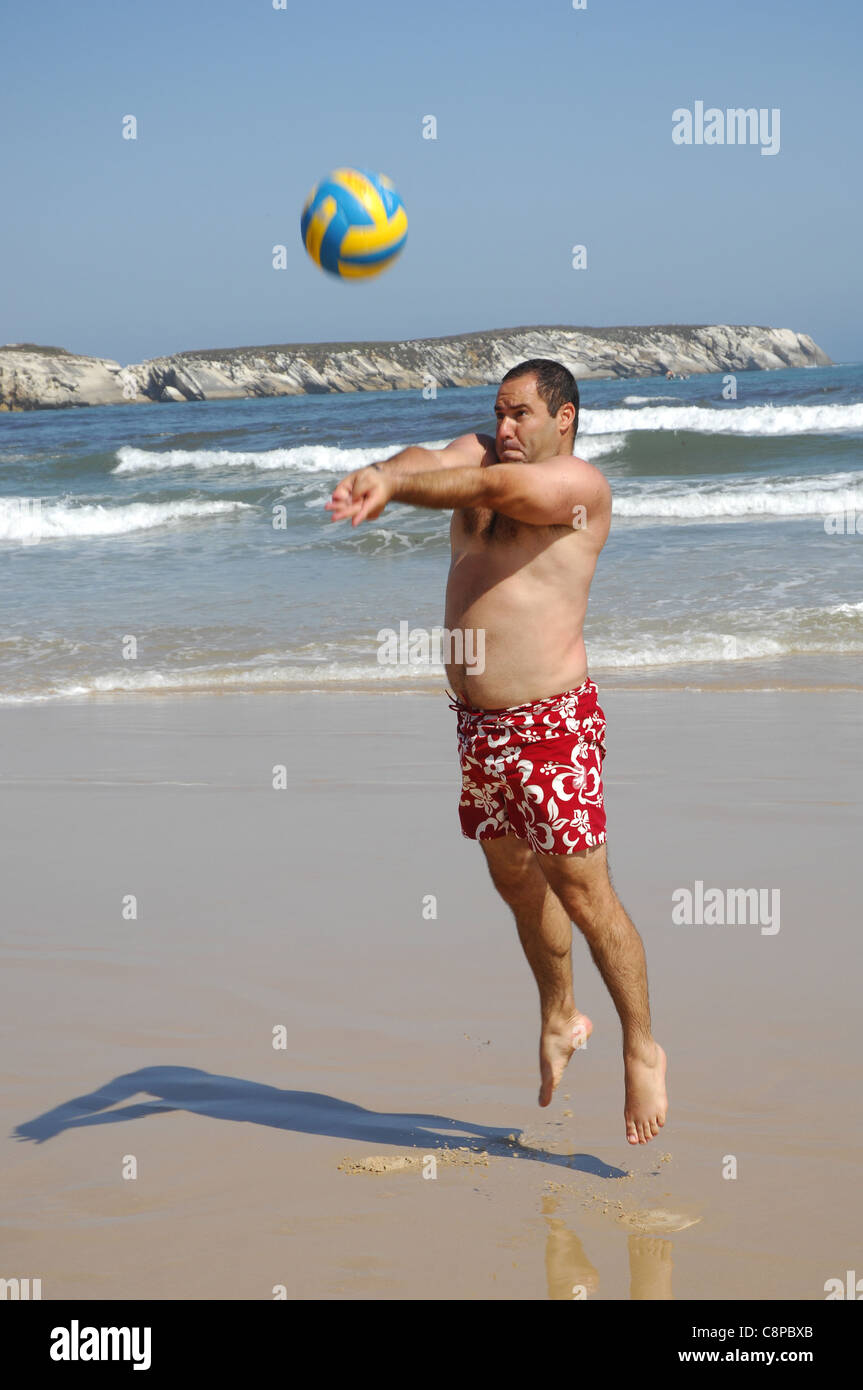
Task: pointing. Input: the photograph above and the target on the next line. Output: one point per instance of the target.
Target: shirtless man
(528, 523)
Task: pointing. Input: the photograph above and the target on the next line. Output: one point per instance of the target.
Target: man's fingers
(344, 488)
(344, 510)
(372, 506)
(360, 502)
(343, 503)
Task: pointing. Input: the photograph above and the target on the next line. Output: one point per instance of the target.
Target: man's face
(526, 433)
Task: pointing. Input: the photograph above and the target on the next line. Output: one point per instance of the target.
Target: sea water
(138, 551)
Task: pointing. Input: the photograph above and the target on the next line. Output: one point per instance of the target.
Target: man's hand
(361, 496)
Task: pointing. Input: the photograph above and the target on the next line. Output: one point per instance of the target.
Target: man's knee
(512, 865)
(582, 883)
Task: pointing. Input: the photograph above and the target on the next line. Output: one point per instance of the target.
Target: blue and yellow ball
(354, 223)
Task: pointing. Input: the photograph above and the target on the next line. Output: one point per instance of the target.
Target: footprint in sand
(656, 1221)
(397, 1163)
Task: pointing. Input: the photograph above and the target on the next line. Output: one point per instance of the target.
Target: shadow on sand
(308, 1112)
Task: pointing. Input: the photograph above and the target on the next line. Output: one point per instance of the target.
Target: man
(528, 523)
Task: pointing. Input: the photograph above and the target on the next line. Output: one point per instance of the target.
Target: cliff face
(33, 377)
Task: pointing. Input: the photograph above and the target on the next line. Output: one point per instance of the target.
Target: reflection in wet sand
(649, 1268)
(570, 1274)
(568, 1271)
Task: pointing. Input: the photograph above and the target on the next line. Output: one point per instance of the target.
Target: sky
(554, 130)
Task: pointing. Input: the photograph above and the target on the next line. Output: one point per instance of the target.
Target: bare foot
(646, 1104)
(557, 1043)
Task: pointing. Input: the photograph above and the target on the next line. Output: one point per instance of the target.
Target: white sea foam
(732, 419)
(221, 678)
(714, 648)
(26, 519)
(601, 432)
(833, 629)
(643, 400)
(836, 629)
(305, 458)
(597, 446)
(743, 499)
(707, 648)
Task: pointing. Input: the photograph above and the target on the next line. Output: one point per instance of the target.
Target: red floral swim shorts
(535, 771)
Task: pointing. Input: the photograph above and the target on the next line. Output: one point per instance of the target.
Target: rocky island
(48, 378)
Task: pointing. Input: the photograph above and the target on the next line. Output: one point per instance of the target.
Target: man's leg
(545, 932)
(582, 884)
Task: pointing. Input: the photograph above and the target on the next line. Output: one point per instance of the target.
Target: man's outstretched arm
(543, 494)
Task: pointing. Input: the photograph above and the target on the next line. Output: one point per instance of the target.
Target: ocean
(138, 553)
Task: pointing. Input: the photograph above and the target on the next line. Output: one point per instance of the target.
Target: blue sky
(554, 129)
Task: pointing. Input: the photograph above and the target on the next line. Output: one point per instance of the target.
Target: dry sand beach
(148, 1043)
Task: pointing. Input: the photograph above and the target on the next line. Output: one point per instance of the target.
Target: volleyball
(354, 223)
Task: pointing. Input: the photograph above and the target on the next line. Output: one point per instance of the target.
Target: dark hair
(555, 385)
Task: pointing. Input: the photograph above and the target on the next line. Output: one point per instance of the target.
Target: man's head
(536, 411)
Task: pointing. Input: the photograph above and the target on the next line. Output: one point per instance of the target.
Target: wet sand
(390, 1145)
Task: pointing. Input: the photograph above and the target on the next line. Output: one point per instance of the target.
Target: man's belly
(519, 641)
